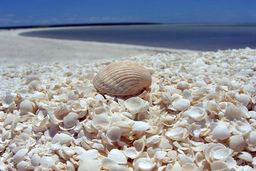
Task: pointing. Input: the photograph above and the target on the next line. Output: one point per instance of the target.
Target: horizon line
(114, 24)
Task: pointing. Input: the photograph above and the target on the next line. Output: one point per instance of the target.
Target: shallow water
(194, 37)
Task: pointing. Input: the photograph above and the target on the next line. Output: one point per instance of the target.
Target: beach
(200, 113)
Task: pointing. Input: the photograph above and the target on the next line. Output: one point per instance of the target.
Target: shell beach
(200, 114)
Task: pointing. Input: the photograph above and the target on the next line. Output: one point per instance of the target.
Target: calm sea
(194, 37)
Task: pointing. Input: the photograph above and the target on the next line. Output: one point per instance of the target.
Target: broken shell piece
(181, 104)
(221, 131)
(27, 106)
(196, 113)
(117, 156)
(125, 78)
(136, 105)
(144, 164)
(177, 134)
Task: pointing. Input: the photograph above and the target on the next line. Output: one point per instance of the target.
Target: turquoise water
(194, 37)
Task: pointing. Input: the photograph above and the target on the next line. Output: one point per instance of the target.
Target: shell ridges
(126, 78)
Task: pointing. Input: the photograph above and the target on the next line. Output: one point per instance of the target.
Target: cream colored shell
(122, 79)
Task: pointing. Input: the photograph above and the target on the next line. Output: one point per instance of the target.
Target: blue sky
(32, 12)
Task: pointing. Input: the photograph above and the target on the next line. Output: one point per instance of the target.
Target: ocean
(175, 36)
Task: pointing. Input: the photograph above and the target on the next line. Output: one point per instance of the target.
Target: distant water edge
(175, 36)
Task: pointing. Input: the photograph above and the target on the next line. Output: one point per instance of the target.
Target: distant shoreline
(77, 25)
(118, 24)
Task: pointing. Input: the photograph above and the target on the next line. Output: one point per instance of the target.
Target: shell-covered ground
(199, 115)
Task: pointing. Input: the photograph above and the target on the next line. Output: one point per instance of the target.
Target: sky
(40, 12)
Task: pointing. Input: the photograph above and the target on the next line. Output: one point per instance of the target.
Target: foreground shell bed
(199, 115)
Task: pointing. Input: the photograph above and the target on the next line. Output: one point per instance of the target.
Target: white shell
(221, 131)
(136, 105)
(219, 166)
(62, 138)
(196, 113)
(131, 152)
(90, 154)
(182, 85)
(242, 128)
(70, 166)
(27, 106)
(232, 112)
(254, 67)
(252, 114)
(236, 142)
(221, 153)
(35, 160)
(70, 120)
(245, 156)
(117, 156)
(19, 155)
(243, 99)
(177, 134)
(22, 166)
(252, 138)
(114, 133)
(100, 121)
(160, 155)
(181, 104)
(47, 162)
(153, 140)
(89, 165)
(140, 126)
(144, 164)
(217, 152)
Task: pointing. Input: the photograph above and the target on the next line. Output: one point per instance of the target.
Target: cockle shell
(122, 79)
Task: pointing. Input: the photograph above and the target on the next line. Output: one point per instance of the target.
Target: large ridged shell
(122, 79)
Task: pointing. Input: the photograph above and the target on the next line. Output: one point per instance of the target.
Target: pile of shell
(199, 115)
